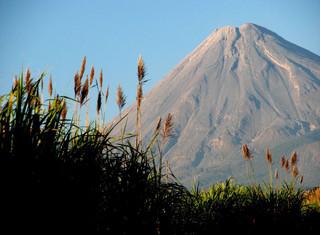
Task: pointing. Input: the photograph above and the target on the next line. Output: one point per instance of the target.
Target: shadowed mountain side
(241, 85)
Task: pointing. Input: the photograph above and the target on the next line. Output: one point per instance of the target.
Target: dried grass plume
(121, 98)
(84, 92)
(167, 131)
(83, 67)
(269, 157)
(293, 159)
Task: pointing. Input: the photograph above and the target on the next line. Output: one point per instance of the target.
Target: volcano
(242, 85)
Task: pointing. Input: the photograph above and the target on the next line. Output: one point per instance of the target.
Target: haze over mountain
(241, 85)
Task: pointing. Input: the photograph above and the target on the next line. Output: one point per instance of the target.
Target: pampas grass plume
(91, 75)
(121, 98)
(101, 79)
(269, 157)
(158, 125)
(167, 131)
(295, 171)
(84, 91)
(83, 67)
(293, 159)
(77, 84)
(282, 161)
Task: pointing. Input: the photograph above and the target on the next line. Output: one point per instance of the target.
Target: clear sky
(55, 35)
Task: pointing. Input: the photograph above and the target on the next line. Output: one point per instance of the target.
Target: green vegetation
(59, 177)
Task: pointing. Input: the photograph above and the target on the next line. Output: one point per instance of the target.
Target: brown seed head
(77, 84)
(268, 156)
(295, 171)
(286, 165)
(28, 80)
(141, 70)
(121, 98)
(301, 179)
(101, 79)
(91, 75)
(84, 92)
(99, 102)
(158, 125)
(107, 94)
(64, 110)
(50, 86)
(41, 85)
(276, 174)
(167, 131)
(282, 161)
(293, 159)
(83, 67)
(27, 76)
(246, 152)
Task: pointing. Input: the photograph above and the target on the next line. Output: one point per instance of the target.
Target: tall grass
(57, 176)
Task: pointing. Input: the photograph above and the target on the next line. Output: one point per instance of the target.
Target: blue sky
(54, 36)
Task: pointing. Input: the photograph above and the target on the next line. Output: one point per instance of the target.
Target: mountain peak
(249, 25)
(242, 27)
(241, 85)
(245, 28)
(232, 34)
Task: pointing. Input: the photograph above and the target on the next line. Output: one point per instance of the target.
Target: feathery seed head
(101, 79)
(246, 152)
(107, 94)
(141, 70)
(77, 84)
(293, 159)
(91, 75)
(301, 179)
(286, 165)
(50, 86)
(28, 80)
(83, 67)
(276, 174)
(99, 103)
(27, 76)
(84, 92)
(41, 85)
(121, 98)
(295, 171)
(268, 156)
(64, 110)
(167, 131)
(158, 125)
(282, 161)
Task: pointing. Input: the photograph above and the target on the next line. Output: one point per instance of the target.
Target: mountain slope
(241, 85)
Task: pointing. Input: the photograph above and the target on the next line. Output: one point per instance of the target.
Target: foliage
(59, 177)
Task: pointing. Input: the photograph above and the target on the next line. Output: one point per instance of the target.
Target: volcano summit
(242, 85)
